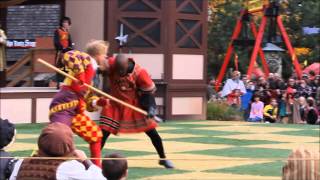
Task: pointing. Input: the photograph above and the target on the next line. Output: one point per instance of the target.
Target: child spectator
(270, 112)
(115, 169)
(256, 112)
(7, 137)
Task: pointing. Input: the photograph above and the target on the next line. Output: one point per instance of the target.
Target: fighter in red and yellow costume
(69, 104)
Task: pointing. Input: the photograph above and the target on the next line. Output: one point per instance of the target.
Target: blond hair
(97, 47)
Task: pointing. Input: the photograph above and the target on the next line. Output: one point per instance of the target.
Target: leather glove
(102, 102)
(151, 112)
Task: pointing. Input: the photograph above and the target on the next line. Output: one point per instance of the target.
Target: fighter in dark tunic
(132, 84)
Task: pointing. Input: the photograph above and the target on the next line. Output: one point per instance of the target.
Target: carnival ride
(270, 12)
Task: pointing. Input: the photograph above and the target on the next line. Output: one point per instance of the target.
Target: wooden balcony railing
(23, 71)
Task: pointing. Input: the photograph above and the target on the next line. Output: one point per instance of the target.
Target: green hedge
(223, 112)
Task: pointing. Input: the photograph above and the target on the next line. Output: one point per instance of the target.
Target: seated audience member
(56, 140)
(302, 164)
(312, 114)
(270, 112)
(115, 169)
(246, 99)
(256, 112)
(7, 137)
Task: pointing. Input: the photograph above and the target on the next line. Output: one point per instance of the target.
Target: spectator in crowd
(115, 169)
(211, 94)
(302, 108)
(56, 140)
(317, 91)
(270, 112)
(245, 79)
(62, 43)
(256, 112)
(303, 89)
(282, 109)
(291, 87)
(289, 96)
(271, 80)
(246, 99)
(263, 90)
(315, 84)
(3, 42)
(312, 114)
(233, 89)
(62, 37)
(7, 137)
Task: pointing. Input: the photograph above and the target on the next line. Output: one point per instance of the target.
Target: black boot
(166, 163)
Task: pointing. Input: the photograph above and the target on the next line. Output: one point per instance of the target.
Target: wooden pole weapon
(137, 109)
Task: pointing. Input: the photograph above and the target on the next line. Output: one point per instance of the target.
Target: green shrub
(222, 111)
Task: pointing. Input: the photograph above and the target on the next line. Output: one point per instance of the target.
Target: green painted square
(293, 126)
(201, 132)
(139, 173)
(219, 140)
(244, 152)
(30, 128)
(125, 153)
(307, 132)
(27, 140)
(263, 169)
(79, 140)
(24, 153)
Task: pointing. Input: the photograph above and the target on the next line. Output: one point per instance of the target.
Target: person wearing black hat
(7, 134)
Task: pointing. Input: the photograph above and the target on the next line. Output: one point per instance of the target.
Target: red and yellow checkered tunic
(84, 127)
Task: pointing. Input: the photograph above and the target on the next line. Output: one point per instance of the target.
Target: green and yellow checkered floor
(221, 150)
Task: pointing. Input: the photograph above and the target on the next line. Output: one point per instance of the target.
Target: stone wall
(29, 22)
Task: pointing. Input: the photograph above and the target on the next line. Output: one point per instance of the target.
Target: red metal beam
(261, 54)
(293, 56)
(226, 60)
(257, 46)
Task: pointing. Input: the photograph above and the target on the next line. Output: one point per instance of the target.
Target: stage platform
(31, 104)
(28, 104)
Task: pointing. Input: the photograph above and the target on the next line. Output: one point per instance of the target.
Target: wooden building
(167, 37)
